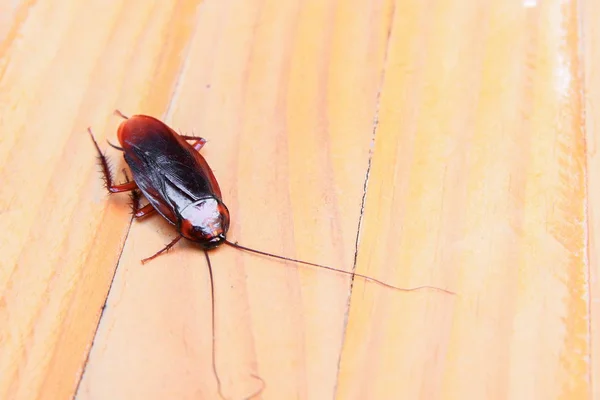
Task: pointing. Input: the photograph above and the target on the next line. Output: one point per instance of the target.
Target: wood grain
(490, 198)
(591, 49)
(445, 143)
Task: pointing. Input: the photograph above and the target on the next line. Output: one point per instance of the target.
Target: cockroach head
(205, 222)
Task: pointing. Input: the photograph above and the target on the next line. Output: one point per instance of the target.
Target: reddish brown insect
(180, 186)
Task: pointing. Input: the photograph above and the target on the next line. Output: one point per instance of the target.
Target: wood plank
(67, 66)
(287, 108)
(477, 184)
(591, 57)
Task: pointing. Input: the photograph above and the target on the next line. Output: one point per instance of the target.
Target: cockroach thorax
(205, 222)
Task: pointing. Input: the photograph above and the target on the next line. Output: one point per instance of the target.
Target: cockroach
(179, 184)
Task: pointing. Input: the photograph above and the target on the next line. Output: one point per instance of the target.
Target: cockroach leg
(190, 137)
(148, 209)
(135, 200)
(120, 114)
(114, 146)
(136, 210)
(108, 181)
(165, 249)
(199, 142)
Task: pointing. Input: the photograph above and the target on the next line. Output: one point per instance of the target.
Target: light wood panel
(287, 109)
(478, 184)
(431, 143)
(591, 51)
(66, 66)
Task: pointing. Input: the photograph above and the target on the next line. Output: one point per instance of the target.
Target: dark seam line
(365, 186)
(87, 358)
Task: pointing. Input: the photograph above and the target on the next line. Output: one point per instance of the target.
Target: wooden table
(444, 143)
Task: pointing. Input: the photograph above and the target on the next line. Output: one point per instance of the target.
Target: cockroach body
(175, 179)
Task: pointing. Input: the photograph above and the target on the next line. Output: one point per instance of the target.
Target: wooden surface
(446, 143)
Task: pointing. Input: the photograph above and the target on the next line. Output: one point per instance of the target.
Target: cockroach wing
(167, 169)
